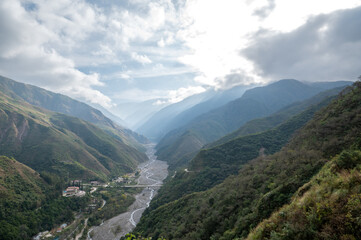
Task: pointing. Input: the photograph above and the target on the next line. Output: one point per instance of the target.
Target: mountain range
(181, 144)
(85, 145)
(309, 189)
(179, 114)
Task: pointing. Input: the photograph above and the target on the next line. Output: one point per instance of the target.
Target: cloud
(26, 55)
(265, 10)
(327, 47)
(88, 49)
(184, 92)
(143, 59)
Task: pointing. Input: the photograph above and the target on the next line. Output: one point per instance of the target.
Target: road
(77, 237)
(152, 174)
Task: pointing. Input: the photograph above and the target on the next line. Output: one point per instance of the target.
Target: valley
(151, 175)
(180, 120)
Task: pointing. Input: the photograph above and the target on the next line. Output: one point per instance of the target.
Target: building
(71, 191)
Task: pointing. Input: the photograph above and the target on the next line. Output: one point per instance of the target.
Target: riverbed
(152, 174)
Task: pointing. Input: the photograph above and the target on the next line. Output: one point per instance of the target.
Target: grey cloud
(327, 47)
(266, 10)
(232, 80)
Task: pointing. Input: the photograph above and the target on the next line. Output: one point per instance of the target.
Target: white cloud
(143, 59)
(71, 46)
(184, 92)
(216, 31)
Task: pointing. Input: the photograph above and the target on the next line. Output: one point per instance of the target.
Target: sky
(108, 52)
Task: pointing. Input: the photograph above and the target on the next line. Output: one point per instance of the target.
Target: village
(98, 193)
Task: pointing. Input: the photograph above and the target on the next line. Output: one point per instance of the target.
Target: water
(152, 174)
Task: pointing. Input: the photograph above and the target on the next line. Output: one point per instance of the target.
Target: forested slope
(57, 143)
(241, 202)
(212, 166)
(255, 103)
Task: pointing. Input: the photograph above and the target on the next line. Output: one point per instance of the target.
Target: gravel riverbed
(152, 174)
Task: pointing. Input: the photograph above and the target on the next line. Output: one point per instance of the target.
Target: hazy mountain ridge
(157, 125)
(263, 124)
(230, 210)
(255, 103)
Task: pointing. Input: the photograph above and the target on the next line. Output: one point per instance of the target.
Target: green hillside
(263, 124)
(212, 166)
(57, 143)
(29, 204)
(255, 103)
(327, 207)
(236, 206)
(60, 103)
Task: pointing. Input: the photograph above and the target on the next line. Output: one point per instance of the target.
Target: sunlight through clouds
(89, 49)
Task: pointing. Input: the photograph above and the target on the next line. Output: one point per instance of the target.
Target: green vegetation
(255, 103)
(327, 207)
(117, 201)
(28, 204)
(137, 237)
(57, 143)
(263, 124)
(212, 166)
(233, 208)
(62, 104)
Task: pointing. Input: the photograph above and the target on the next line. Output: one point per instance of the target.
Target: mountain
(57, 143)
(136, 114)
(220, 98)
(263, 124)
(60, 103)
(110, 115)
(330, 142)
(213, 165)
(179, 114)
(182, 144)
(156, 126)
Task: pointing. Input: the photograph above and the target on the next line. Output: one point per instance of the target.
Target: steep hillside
(59, 103)
(19, 184)
(327, 207)
(212, 166)
(54, 142)
(240, 203)
(263, 124)
(255, 103)
(30, 202)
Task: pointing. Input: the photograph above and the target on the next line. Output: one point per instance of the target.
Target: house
(70, 191)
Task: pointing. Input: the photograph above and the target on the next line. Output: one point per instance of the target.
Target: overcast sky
(109, 51)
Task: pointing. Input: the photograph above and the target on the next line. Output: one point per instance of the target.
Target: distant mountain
(157, 124)
(137, 113)
(179, 114)
(310, 189)
(110, 115)
(57, 143)
(266, 123)
(60, 103)
(255, 103)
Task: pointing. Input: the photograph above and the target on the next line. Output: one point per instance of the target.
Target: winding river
(152, 174)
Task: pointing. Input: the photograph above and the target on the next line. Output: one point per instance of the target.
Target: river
(152, 174)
